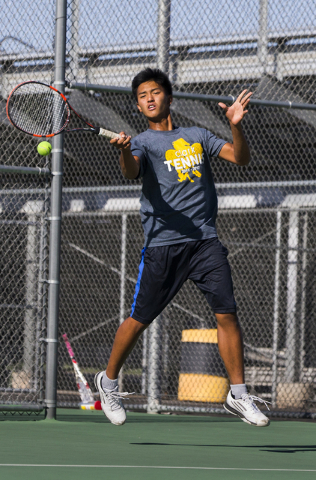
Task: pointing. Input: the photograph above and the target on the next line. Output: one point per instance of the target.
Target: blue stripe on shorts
(141, 267)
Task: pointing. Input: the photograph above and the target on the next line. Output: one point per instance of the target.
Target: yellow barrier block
(201, 335)
(202, 388)
(203, 377)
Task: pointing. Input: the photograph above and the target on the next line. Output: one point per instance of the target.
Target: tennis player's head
(153, 93)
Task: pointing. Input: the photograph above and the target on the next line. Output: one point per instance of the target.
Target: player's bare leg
(124, 342)
(230, 345)
(106, 382)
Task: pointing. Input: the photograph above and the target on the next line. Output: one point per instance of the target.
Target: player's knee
(134, 325)
(227, 320)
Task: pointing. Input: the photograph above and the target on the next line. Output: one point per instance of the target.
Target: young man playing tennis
(178, 212)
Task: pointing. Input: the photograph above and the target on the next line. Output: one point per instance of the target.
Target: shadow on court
(263, 448)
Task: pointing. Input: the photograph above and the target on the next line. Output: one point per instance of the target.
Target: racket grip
(108, 133)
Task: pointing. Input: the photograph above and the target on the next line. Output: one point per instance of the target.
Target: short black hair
(149, 74)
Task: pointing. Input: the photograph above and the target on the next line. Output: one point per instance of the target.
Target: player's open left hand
(236, 112)
(122, 142)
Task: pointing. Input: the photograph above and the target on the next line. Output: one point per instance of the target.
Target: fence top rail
(196, 96)
(272, 36)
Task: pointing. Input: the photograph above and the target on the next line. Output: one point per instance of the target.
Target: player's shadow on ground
(264, 448)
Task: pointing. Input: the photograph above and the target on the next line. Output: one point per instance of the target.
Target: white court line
(162, 467)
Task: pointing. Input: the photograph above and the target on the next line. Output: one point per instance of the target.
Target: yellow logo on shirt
(185, 158)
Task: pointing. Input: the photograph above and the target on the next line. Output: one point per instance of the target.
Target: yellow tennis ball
(44, 148)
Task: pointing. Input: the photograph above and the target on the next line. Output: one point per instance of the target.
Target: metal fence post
(42, 295)
(293, 239)
(276, 308)
(154, 335)
(263, 35)
(55, 218)
(154, 366)
(303, 296)
(32, 209)
(163, 35)
(74, 39)
(144, 362)
(122, 289)
(123, 268)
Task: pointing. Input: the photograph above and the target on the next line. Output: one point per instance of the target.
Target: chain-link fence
(24, 259)
(266, 210)
(24, 255)
(24, 211)
(272, 250)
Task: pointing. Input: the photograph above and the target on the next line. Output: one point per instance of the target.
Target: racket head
(38, 109)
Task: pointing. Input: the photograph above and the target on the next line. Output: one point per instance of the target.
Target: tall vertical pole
(43, 276)
(144, 362)
(291, 326)
(122, 289)
(74, 40)
(163, 44)
(33, 209)
(154, 335)
(154, 366)
(276, 308)
(303, 296)
(123, 268)
(55, 218)
(263, 35)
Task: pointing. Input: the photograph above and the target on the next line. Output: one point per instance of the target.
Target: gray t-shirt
(178, 201)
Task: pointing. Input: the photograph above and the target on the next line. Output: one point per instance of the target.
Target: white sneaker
(246, 409)
(111, 402)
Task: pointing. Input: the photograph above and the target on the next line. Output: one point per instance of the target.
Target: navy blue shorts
(163, 270)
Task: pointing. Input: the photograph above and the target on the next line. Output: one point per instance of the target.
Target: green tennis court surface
(82, 445)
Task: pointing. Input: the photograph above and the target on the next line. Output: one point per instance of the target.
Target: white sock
(107, 383)
(238, 390)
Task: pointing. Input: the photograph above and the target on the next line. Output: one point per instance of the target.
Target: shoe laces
(250, 399)
(114, 397)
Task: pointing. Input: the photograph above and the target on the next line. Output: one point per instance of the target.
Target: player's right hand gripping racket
(42, 111)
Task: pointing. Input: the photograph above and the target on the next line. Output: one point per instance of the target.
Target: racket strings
(37, 109)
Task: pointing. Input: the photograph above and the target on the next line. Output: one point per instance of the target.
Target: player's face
(153, 101)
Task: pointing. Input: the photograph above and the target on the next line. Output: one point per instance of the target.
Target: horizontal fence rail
(196, 96)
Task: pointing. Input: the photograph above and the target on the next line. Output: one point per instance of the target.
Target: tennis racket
(85, 392)
(42, 111)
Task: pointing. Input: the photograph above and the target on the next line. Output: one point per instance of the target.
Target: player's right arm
(130, 163)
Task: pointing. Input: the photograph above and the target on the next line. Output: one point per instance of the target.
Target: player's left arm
(238, 151)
